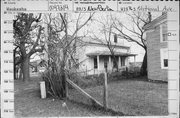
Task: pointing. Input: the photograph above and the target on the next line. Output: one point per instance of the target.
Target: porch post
(109, 63)
(119, 62)
(127, 61)
(98, 65)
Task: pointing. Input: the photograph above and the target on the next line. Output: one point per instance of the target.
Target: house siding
(155, 72)
(87, 62)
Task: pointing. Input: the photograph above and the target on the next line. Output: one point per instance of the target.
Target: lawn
(134, 97)
(125, 97)
(29, 104)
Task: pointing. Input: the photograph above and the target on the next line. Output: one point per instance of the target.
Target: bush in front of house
(53, 82)
(96, 80)
(87, 81)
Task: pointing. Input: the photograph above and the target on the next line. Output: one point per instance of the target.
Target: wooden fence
(93, 100)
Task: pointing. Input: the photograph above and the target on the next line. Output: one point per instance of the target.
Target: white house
(95, 56)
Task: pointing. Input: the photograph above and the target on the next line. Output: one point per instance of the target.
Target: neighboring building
(94, 57)
(157, 51)
(37, 66)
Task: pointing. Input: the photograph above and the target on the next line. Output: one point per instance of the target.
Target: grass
(29, 104)
(137, 97)
(133, 97)
(126, 97)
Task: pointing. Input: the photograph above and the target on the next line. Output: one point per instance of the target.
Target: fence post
(105, 102)
(43, 89)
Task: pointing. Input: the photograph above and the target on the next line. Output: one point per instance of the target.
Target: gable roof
(156, 22)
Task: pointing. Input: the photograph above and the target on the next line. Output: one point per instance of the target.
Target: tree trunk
(20, 77)
(144, 65)
(25, 69)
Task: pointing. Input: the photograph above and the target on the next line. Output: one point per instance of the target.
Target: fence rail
(93, 100)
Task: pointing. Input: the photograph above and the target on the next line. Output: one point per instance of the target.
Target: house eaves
(156, 22)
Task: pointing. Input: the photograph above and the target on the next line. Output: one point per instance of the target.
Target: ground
(29, 104)
(126, 97)
(134, 97)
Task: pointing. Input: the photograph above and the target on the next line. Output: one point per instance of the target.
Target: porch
(104, 60)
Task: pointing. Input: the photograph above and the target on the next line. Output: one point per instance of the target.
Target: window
(123, 61)
(163, 32)
(115, 38)
(165, 62)
(95, 62)
(164, 58)
(164, 38)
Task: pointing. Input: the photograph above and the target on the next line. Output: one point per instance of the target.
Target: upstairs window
(163, 32)
(115, 38)
(164, 37)
(164, 58)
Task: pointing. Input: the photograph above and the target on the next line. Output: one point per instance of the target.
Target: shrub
(87, 81)
(114, 76)
(53, 83)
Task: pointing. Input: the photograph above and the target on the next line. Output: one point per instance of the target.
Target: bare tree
(105, 37)
(62, 36)
(28, 35)
(134, 32)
